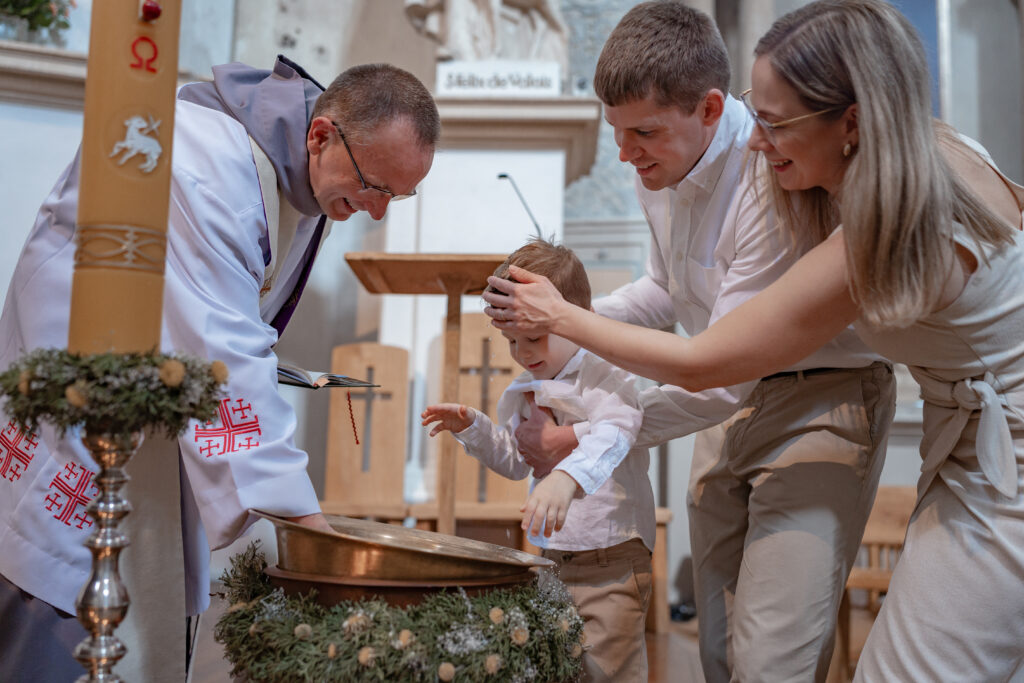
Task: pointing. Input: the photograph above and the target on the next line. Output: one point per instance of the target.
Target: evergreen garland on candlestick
(523, 634)
(111, 393)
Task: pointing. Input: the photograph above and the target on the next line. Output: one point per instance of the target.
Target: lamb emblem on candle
(137, 141)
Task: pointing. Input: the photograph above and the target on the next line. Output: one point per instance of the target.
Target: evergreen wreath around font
(531, 633)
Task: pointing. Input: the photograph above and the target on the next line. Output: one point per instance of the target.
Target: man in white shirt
(786, 470)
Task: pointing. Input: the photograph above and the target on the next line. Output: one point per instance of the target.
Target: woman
(932, 274)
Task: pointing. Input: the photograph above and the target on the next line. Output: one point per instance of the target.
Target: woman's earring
(847, 150)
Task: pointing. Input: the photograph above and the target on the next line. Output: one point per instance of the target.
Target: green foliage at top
(51, 14)
(111, 393)
(524, 634)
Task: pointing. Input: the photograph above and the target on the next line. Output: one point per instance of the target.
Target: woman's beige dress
(955, 607)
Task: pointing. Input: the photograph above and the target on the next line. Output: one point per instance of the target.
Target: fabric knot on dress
(971, 394)
(994, 442)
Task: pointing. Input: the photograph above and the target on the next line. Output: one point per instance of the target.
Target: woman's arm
(809, 305)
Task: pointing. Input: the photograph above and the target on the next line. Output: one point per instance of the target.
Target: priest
(262, 160)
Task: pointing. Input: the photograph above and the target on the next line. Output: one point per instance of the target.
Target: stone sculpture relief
(474, 30)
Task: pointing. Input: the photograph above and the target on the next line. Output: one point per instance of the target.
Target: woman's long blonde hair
(898, 198)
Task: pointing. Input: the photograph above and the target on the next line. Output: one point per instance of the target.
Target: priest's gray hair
(364, 97)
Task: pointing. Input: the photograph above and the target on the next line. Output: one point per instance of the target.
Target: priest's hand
(542, 443)
(546, 508)
(314, 521)
(448, 416)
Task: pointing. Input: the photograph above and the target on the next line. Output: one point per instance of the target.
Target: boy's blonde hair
(557, 263)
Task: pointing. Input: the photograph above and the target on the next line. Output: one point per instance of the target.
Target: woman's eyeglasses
(767, 126)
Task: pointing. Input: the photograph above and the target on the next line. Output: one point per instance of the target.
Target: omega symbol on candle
(137, 141)
(144, 62)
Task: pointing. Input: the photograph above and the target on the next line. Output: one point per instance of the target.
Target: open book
(297, 377)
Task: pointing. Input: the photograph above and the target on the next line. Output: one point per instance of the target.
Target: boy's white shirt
(619, 504)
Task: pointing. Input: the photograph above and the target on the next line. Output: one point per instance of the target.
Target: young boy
(603, 541)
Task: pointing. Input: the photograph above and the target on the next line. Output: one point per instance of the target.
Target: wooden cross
(485, 371)
(369, 396)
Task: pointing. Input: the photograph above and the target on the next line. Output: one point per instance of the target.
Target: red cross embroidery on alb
(72, 488)
(16, 451)
(236, 428)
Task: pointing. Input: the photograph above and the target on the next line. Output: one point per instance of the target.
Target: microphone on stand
(509, 178)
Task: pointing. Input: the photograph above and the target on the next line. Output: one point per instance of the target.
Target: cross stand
(452, 275)
(485, 371)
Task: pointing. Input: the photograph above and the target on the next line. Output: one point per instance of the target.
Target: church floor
(672, 656)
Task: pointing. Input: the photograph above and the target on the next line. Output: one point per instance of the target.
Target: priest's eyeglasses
(366, 186)
(768, 127)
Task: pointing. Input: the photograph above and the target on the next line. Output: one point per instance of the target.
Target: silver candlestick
(103, 601)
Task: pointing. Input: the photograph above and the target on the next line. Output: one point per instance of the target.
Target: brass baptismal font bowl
(396, 563)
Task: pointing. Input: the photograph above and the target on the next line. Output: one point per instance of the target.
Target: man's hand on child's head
(448, 416)
(523, 303)
(546, 507)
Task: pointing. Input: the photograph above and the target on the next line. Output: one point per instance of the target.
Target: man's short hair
(557, 263)
(664, 49)
(364, 97)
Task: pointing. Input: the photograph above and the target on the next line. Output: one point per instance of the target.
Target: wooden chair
(880, 549)
(486, 368)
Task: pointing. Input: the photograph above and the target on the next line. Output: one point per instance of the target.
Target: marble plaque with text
(498, 78)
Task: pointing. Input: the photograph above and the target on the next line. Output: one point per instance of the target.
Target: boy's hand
(546, 508)
(450, 416)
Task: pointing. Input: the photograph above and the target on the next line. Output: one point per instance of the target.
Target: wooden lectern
(453, 275)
